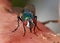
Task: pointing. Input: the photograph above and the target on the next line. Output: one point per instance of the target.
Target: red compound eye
(25, 23)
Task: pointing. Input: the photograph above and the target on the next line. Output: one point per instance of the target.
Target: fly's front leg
(30, 24)
(35, 30)
(17, 26)
(36, 24)
(24, 30)
(24, 24)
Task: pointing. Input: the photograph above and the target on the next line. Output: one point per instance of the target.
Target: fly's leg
(30, 24)
(38, 28)
(24, 31)
(24, 28)
(17, 26)
(35, 31)
(35, 22)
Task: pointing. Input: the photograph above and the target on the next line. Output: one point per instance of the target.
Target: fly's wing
(31, 8)
(17, 10)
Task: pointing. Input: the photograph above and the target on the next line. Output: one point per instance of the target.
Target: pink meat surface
(8, 22)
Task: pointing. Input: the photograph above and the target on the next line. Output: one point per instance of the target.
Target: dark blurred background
(19, 3)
